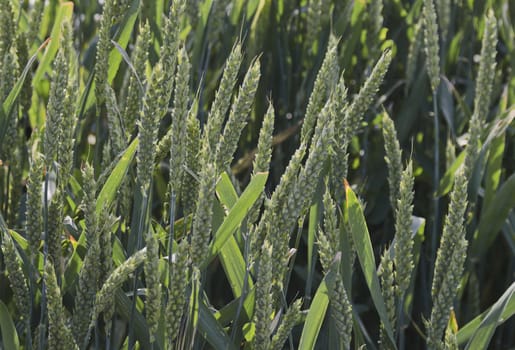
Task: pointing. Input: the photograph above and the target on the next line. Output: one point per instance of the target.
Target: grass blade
(485, 331)
(365, 252)
(113, 182)
(506, 302)
(494, 216)
(237, 214)
(64, 13)
(316, 314)
(9, 334)
(211, 330)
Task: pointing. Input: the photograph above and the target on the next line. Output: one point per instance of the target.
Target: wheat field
(260, 174)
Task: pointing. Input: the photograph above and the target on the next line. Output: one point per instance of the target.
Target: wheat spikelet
(237, 117)
(431, 44)
(203, 215)
(393, 160)
(223, 97)
(134, 95)
(264, 299)
(105, 297)
(33, 224)
(324, 84)
(403, 247)
(153, 285)
(263, 156)
(449, 262)
(387, 277)
(17, 279)
(189, 188)
(59, 335)
(291, 318)
(177, 292)
(366, 94)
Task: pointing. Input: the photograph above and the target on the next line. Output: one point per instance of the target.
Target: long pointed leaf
(507, 301)
(108, 191)
(9, 334)
(361, 239)
(316, 314)
(237, 214)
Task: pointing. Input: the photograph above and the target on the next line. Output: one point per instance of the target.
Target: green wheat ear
(292, 317)
(89, 273)
(112, 13)
(414, 52)
(189, 188)
(203, 216)
(238, 116)
(362, 102)
(403, 246)
(153, 285)
(263, 156)
(7, 27)
(387, 277)
(329, 244)
(341, 311)
(484, 86)
(134, 93)
(222, 98)
(486, 72)
(59, 334)
(33, 224)
(16, 277)
(393, 159)
(431, 43)
(177, 292)
(105, 297)
(443, 8)
(324, 85)
(264, 299)
(449, 263)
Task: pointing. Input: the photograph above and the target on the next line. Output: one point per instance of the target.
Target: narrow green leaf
(226, 315)
(485, 331)
(506, 301)
(237, 214)
(108, 191)
(315, 212)
(493, 169)
(127, 60)
(212, 331)
(124, 308)
(361, 239)
(230, 253)
(493, 217)
(447, 180)
(225, 191)
(8, 330)
(234, 267)
(64, 13)
(316, 314)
